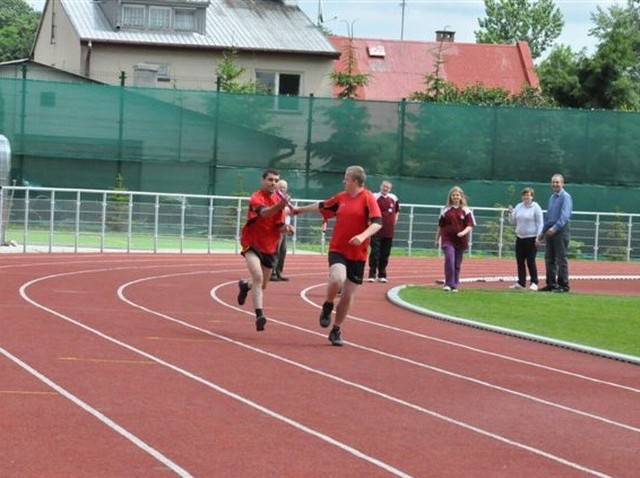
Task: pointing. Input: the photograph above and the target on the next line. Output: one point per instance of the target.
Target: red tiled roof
(405, 65)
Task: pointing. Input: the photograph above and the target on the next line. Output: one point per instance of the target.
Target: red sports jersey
(389, 207)
(262, 233)
(353, 215)
(452, 221)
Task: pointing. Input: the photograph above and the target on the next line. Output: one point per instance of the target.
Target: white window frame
(163, 72)
(180, 14)
(133, 16)
(274, 82)
(163, 14)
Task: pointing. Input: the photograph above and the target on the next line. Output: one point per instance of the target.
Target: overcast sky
(383, 18)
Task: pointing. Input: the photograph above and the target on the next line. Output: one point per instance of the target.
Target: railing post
(596, 240)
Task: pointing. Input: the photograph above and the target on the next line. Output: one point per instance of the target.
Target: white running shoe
(371, 279)
(383, 279)
(516, 286)
(533, 287)
(446, 288)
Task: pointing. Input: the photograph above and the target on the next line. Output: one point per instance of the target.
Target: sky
(383, 18)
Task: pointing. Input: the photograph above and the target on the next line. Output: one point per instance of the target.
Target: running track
(115, 365)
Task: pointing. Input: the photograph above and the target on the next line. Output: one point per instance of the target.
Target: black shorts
(355, 269)
(267, 260)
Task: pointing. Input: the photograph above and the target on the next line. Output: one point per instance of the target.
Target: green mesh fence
(204, 142)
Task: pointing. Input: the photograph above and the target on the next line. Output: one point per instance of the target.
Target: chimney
(445, 36)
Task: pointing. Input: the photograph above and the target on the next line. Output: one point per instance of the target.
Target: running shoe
(335, 337)
(325, 315)
(243, 285)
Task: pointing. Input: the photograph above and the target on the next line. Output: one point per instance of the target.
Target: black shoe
(243, 285)
(274, 279)
(549, 288)
(325, 315)
(260, 321)
(561, 289)
(283, 278)
(335, 337)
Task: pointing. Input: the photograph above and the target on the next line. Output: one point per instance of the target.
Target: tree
(559, 76)
(349, 80)
(509, 21)
(18, 25)
(610, 79)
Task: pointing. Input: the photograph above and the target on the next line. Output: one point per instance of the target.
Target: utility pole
(402, 5)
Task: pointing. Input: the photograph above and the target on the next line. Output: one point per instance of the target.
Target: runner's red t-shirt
(353, 215)
(262, 233)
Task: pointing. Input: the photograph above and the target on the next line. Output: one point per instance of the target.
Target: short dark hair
(269, 171)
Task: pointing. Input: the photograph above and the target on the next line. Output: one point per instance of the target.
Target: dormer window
(185, 19)
(159, 18)
(133, 16)
(166, 18)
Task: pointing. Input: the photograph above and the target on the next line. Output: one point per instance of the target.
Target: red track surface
(144, 365)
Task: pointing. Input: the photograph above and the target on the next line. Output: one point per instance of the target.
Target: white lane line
(100, 416)
(358, 386)
(390, 469)
(474, 349)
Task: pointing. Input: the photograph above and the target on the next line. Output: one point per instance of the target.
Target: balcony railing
(77, 220)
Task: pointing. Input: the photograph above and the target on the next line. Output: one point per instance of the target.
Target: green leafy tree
(349, 80)
(559, 76)
(610, 79)
(18, 25)
(509, 21)
(240, 101)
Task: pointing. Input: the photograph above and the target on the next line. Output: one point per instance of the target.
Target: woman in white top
(527, 217)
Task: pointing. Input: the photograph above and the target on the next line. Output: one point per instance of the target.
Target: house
(398, 68)
(178, 43)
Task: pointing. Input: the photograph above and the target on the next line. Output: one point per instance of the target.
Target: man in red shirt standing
(357, 217)
(259, 240)
(382, 241)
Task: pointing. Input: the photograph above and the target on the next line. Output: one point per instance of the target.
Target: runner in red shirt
(357, 217)
(259, 240)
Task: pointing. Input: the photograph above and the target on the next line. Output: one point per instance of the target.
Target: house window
(286, 85)
(185, 19)
(163, 72)
(133, 16)
(159, 18)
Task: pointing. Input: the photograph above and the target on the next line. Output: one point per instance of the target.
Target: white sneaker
(454, 290)
(371, 279)
(533, 287)
(383, 279)
(446, 288)
(516, 286)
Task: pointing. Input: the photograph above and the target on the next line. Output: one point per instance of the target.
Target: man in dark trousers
(382, 241)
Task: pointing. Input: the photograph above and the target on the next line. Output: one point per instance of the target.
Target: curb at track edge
(393, 295)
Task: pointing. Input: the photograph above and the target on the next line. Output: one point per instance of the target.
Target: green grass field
(605, 322)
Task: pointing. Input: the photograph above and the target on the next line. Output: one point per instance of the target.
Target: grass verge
(605, 322)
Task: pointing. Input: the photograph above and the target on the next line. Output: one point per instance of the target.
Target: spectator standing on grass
(527, 217)
(454, 225)
(556, 235)
(357, 217)
(259, 240)
(382, 240)
(281, 251)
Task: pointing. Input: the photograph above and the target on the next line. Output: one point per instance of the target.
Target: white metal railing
(77, 220)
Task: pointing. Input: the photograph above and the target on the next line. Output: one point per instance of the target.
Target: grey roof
(263, 25)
